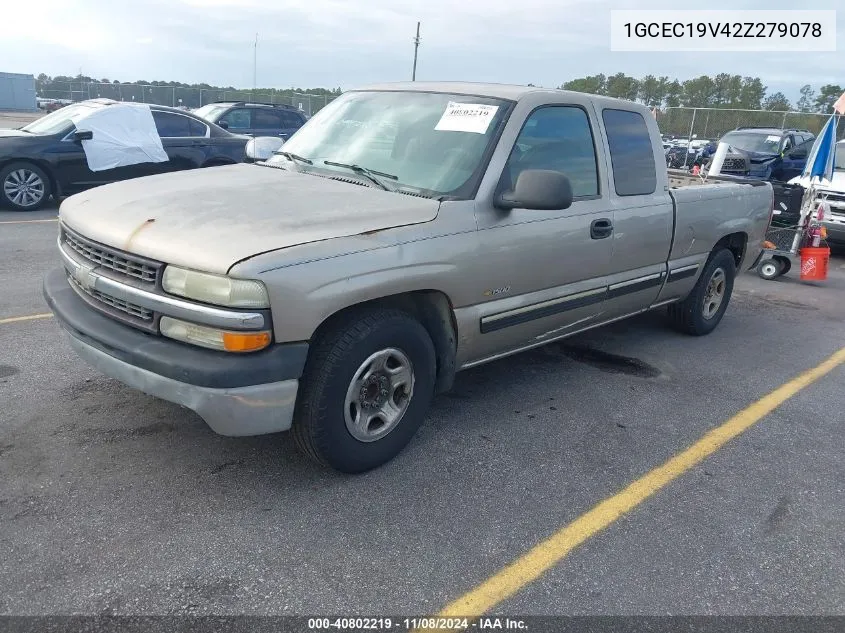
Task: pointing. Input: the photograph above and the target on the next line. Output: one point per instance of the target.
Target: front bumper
(236, 394)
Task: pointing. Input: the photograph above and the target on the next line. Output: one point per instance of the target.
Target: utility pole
(255, 67)
(416, 47)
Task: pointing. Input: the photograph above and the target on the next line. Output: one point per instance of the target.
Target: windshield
(60, 120)
(433, 143)
(208, 112)
(751, 142)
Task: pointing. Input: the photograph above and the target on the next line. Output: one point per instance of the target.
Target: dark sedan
(47, 156)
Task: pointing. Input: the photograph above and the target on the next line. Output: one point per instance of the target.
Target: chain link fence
(176, 96)
(712, 123)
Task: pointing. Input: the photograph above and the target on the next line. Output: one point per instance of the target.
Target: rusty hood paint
(209, 219)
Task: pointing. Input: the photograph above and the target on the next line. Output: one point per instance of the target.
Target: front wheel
(703, 309)
(365, 390)
(23, 186)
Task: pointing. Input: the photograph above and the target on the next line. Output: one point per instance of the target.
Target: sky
(336, 43)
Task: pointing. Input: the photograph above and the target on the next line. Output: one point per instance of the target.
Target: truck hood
(837, 185)
(210, 219)
(9, 133)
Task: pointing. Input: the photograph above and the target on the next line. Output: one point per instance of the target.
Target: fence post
(173, 98)
(689, 138)
(783, 123)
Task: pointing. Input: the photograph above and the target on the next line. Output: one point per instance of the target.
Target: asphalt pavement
(114, 502)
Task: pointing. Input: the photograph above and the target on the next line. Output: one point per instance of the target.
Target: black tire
(320, 426)
(37, 184)
(769, 269)
(786, 263)
(690, 316)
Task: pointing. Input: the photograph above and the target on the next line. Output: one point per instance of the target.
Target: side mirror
(223, 124)
(83, 135)
(262, 148)
(538, 189)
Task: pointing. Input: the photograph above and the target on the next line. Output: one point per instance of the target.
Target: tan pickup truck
(406, 232)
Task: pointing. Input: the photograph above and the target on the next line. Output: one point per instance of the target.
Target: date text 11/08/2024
(413, 624)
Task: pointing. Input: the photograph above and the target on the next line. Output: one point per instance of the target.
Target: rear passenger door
(643, 214)
(544, 273)
(184, 139)
(267, 122)
(291, 122)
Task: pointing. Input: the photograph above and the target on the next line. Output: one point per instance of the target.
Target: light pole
(254, 68)
(416, 48)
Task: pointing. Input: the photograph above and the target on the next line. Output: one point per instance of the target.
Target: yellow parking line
(30, 317)
(28, 221)
(547, 554)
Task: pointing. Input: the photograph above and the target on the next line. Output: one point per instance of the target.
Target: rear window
(631, 152)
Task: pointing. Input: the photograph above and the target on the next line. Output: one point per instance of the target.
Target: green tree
(673, 94)
(807, 101)
(777, 101)
(698, 92)
(752, 93)
(652, 90)
(595, 85)
(621, 86)
(828, 94)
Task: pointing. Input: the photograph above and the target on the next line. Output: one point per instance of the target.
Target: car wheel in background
(23, 186)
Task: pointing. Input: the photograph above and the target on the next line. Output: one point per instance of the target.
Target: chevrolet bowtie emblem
(85, 276)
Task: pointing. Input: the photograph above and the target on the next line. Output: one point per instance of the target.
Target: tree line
(83, 86)
(721, 91)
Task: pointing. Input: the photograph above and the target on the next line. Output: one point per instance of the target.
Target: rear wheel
(366, 388)
(23, 186)
(703, 309)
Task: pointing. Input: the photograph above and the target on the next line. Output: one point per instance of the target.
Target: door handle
(600, 229)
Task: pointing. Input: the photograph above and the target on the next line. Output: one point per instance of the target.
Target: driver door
(545, 272)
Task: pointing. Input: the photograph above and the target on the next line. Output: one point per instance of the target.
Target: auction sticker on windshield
(772, 139)
(466, 117)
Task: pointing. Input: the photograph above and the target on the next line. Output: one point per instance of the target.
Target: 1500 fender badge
(497, 291)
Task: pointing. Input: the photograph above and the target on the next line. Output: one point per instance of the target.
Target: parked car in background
(254, 119)
(47, 156)
(767, 153)
(834, 194)
(409, 231)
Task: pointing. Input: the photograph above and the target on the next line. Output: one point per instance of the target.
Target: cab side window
(556, 138)
(631, 152)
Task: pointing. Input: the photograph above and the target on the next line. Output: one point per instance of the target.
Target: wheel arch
(432, 308)
(43, 165)
(736, 243)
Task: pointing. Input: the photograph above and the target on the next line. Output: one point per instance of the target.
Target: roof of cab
(511, 92)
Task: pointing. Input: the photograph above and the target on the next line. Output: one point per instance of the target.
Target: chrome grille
(131, 309)
(115, 260)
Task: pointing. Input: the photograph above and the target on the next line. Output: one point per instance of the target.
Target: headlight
(215, 289)
(213, 338)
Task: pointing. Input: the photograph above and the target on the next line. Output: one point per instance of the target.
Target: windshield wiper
(369, 174)
(294, 157)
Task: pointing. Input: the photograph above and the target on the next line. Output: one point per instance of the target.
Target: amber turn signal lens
(245, 341)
